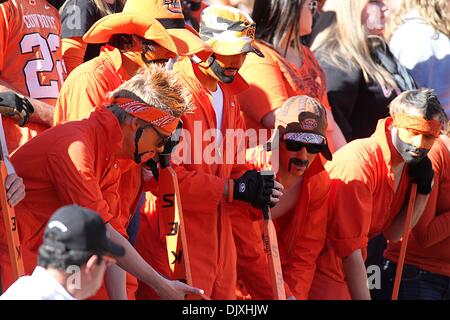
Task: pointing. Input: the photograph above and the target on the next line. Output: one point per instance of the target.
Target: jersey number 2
(44, 64)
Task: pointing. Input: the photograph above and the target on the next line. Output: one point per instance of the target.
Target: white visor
(304, 137)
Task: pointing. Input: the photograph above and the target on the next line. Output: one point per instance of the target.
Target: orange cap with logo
(303, 119)
(138, 17)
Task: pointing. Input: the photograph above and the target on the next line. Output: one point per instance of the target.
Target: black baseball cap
(76, 228)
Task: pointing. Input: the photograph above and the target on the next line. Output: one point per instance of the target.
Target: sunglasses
(295, 146)
(163, 139)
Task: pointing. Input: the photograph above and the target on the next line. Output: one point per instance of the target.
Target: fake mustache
(297, 162)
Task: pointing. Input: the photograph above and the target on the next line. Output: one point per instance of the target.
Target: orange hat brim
(129, 23)
(189, 43)
(229, 48)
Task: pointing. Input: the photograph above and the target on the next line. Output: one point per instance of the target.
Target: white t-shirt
(217, 102)
(41, 285)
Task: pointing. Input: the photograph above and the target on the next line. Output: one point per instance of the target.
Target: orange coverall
(301, 235)
(272, 80)
(95, 78)
(69, 164)
(429, 241)
(363, 203)
(208, 228)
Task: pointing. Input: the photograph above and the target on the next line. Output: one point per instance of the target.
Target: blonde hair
(345, 42)
(102, 7)
(158, 87)
(434, 12)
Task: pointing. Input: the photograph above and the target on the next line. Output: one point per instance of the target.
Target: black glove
(422, 174)
(255, 188)
(12, 104)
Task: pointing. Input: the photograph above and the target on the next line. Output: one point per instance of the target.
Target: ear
(136, 44)
(134, 123)
(91, 264)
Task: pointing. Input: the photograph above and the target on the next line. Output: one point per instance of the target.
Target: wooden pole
(8, 213)
(172, 223)
(271, 248)
(404, 245)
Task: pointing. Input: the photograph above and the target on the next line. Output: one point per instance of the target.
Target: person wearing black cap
(72, 259)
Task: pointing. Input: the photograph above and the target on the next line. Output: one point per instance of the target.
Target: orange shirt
(30, 58)
(87, 85)
(362, 198)
(273, 80)
(94, 79)
(429, 241)
(208, 227)
(301, 235)
(67, 164)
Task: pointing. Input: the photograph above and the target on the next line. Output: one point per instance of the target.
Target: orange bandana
(414, 123)
(148, 113)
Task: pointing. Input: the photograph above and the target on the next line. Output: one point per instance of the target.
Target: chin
(306, 32)
(413, 160)
(297, 172)
(226, 79)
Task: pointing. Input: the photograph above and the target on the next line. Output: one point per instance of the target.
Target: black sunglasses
(295, 146)
(163, 139)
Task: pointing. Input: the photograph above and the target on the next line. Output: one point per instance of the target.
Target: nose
(302, 153)
(237, 62)
(384, 9)
(418, 141)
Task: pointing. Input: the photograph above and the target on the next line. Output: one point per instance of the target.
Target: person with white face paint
(371, 181)
(426, 273)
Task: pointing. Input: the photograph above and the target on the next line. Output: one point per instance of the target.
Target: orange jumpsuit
(30, 59)
(87, 85)
(363, 203)
(429, 241)
(66, 164)
(273, 80)
(94, 79)
(301, 235)
(208, 227)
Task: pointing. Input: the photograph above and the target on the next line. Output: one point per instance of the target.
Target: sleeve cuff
(344, 247)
